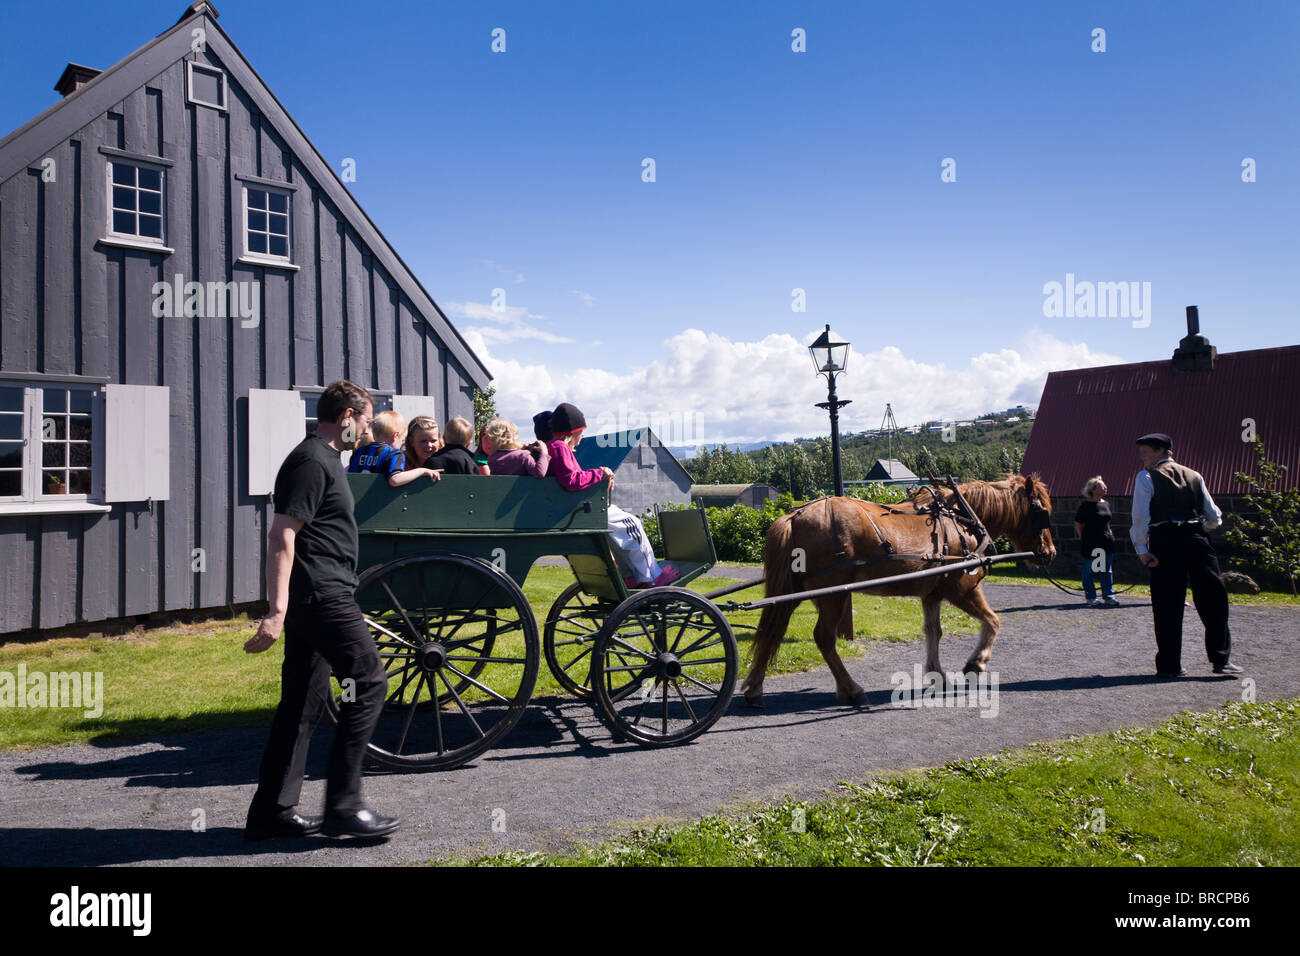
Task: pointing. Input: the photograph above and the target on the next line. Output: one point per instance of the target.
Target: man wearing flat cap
(1172, 512)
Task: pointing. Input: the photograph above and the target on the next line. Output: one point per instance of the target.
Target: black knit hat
(542, 426)
(566, 419)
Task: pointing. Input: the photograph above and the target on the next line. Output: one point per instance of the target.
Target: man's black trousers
(326, 635)
(1185, 557)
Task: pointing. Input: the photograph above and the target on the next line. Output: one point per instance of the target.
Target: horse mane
(999, 504)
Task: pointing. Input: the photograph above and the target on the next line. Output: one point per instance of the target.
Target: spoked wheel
(569, 635)
(459, 644)
(664, 667)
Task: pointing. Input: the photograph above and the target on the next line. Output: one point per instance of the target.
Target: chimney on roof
(1194, 352)
(74, 77)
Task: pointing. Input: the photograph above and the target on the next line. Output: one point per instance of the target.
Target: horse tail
(777, 572)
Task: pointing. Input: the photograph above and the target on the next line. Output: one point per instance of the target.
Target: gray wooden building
(646, 473)
(181, 273)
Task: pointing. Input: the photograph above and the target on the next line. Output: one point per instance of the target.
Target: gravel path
(1064, 669)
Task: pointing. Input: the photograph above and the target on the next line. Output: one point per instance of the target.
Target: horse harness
(962, 519)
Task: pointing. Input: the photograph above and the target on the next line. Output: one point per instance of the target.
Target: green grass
(1211, 789)
(197, 677)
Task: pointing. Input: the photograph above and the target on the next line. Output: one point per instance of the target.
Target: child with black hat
(567, 425)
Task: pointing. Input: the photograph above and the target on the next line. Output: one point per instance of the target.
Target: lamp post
(830, 355)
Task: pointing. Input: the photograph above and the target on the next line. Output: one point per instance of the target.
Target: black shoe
(288, 824)
(362, 823)
(1171, 675)
(1227, 667)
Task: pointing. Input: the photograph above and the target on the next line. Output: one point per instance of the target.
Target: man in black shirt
(311, 583)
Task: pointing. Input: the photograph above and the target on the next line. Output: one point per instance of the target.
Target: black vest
(1177, 493)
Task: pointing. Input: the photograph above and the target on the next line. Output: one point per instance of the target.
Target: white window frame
(265, 257)
(190, 67)
(33, 499)
(135, 238)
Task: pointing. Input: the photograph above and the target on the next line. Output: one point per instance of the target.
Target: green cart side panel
(507, 521)
(477, 503)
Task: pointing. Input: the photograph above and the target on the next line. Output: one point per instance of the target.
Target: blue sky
(777, 170)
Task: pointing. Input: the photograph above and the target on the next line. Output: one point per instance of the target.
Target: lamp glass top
(830, 353)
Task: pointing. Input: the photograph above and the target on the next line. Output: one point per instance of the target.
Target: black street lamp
(830, 355)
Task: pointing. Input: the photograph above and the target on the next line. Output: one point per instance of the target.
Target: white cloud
(585, 297)
(713, 389)
(513, 275)
(511, 323)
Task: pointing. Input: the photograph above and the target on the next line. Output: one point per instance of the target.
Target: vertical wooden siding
(72, 306)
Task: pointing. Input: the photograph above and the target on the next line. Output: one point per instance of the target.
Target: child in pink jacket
(507, 455)
(630, 541)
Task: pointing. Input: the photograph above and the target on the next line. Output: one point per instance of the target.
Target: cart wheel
(459, 644)
(664, 666)
(568, 636)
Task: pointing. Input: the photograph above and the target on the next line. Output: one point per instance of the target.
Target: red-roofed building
(1209, 404)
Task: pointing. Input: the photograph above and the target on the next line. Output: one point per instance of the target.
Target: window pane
(54, 455)
(81, 429)
(151, 226)
(279, 224)
(150, 178)
(257, 199)
(54, 483)
(278, 246)
(11, 399)
(11, 427)
(11, 483)
(257, 220)
(256, 242)
(11, 454)
(151, 202)
(81, 401)
(123, 198)
(279, 202)
(56, 400)
(79, 454)
(80, 483)
(124, 173)
(124, 222)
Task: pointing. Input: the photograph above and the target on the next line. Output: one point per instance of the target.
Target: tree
(485, 408)
(1270, 533)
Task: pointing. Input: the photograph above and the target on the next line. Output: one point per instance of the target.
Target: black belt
(1160, 524)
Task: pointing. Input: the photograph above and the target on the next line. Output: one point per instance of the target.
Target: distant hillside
(977, 451)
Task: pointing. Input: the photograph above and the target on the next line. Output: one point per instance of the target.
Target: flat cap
(1156, 440)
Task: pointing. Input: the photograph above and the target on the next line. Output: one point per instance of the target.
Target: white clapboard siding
(276, 419)
(413, 406)
(137, 443)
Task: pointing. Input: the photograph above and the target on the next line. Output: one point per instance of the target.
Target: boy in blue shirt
(384, 455)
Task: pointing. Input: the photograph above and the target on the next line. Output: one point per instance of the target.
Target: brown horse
(813, 546)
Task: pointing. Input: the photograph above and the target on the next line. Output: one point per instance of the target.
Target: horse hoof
(754, 700)
(853, 696)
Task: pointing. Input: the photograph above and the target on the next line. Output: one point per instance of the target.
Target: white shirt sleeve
(1211, 516)
(1142, 490)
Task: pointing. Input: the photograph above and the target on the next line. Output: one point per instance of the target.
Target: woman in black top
(1096, 542)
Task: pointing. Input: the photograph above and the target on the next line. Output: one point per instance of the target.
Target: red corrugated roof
(1089, 419)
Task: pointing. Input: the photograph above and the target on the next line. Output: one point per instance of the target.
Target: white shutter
(277, 422)
(137, 443)
(413, 406)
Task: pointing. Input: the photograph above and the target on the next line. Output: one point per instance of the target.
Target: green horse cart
(444, 563)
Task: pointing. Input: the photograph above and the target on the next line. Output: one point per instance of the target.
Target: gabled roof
(27, 144)
(1089, 420)
(610, 449)
(887, 468)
